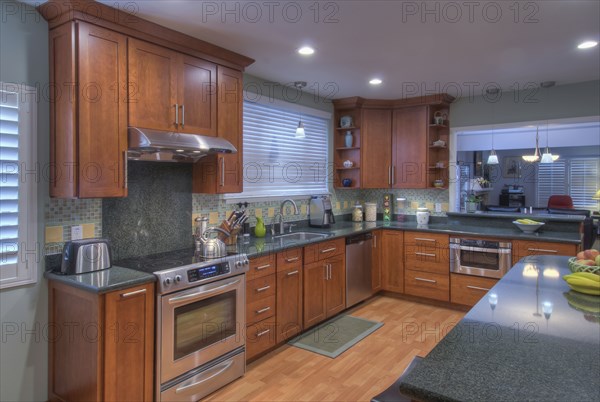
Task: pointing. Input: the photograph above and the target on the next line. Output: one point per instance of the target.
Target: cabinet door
(409, 147)
(102, 144)
(152, 86)
(129, 344)
(289, 303)
(197, 88)
(376, 262)
(392, 260)
(335, 286)
(524, 248)
(314, 293)
(376, 148)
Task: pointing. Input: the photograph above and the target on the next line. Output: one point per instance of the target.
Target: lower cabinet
(289, 294)
(102, 346)
(261, 308)
(427, 265)
(392, 260)
(427, 284)
(467, 289)
(524, 248)
(376, 284)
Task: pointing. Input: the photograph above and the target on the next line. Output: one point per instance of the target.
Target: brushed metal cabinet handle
(263, 333)
(374, 241)
(424, 239)
(126, 180)
(292, 273)
(182, 115)
(328, 250)
(477, 288)
(222, 172)
(262, 310)
(542, 250)
(135, 292)
(262, 267)
(263, 288)
(425, 280)
(292, 259)
(390, 175)
(176, 114)
(393, 175)
(425, 254)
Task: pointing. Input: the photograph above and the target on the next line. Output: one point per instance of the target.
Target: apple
(591, 254)
(598, 260)
(591, 263)
(581, 255)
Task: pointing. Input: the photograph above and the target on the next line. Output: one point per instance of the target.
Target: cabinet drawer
(260, 337)
(427, 284)
(262, 266)
(289, 259)
(427, 259)
(323, 250)
(260, 288)
(468, 290)
(525, 248)
(260, 309)
(426, 240)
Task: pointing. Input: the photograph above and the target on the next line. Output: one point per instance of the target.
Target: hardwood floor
(363, 371)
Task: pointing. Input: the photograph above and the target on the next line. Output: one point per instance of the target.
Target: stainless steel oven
(478, 257)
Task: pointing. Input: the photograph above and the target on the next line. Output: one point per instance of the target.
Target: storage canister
(370, 211)
(422, 216)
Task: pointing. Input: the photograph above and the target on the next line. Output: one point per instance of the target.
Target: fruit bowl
(528, 227)
(574, 266)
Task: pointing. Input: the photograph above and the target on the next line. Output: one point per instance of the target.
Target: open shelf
(347, 128)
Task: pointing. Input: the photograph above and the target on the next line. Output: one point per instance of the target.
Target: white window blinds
(551, 180)
(19, 250)
(275, 162)
(584, 176)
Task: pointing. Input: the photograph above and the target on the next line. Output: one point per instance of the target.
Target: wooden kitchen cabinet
(376, 148)
(289, 294)
(376, 284)
(88, 112)
(392, 260)
(427, 284)
(342, 152)
(223, 173)
(468, 290)
(324, 281)
(427, 265)
(409, 145)
(524, 248)
(261, 305)
(104, 344)
(171, 91)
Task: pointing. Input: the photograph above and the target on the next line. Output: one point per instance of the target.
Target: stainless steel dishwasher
(358, 268)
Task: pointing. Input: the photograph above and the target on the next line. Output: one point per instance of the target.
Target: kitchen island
(529, 338)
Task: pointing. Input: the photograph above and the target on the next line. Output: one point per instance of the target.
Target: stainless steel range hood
(167, 146)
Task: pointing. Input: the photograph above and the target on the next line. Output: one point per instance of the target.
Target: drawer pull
(426, 254)
(543, 250)
(135, 292)
(262, 267)
(263, 333)
(292, 273)
(425, 280)
(477, 288)
(292, 259)
(262, 310)
(263, 288)
(424, 239)
(328, 250)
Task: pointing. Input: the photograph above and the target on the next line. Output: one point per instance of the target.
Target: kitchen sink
(301, 236)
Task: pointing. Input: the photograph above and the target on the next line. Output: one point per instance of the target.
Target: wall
(24, 356)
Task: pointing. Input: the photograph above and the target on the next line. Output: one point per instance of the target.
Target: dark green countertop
(107, 280)
(530, 338)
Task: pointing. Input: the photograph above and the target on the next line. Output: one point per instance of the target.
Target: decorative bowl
(348, 163)
(528, 227)
(574, 266)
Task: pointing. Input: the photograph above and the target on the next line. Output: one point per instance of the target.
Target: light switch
(76, 232)
(438, 207)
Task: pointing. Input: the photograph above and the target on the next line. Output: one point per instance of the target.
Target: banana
(588, 275)
(527, 221)
(588, 304)
(585, 290)
(582, 282)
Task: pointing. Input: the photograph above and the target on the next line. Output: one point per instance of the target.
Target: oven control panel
(209, 271)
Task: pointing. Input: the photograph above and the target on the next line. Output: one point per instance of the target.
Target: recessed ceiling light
(587, 44)
(375, 81)
(306, 50)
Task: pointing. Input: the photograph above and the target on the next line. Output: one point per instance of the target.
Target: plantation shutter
(551, 180)
(584, 180)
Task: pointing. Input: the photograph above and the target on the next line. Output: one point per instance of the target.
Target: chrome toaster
(82, 256)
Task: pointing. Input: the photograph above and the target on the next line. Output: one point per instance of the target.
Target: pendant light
(493, 158)
(547, 157)
(300, 133)
(536, 154)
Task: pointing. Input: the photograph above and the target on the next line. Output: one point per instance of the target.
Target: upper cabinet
(402, 144)
(111, 70)
(171, 91)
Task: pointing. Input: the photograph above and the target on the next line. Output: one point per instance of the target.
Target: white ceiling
(357, 40)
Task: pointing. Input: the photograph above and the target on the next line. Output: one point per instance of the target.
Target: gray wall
(562, 101)
(24, 356)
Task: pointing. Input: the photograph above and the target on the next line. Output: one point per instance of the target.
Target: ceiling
(454, 48)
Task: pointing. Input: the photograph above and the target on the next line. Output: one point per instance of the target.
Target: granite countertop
(540, 216)
(107, 280)
(529, 338)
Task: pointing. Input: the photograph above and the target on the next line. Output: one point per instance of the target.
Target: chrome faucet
(280, 214)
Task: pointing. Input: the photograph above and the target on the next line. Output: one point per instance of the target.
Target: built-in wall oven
(200, 319)
(487, 258)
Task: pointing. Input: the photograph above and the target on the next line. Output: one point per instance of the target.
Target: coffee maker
(320, 213)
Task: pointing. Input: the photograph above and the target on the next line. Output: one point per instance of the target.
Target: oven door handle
(483, 250)
(212, 372)
(207, 291)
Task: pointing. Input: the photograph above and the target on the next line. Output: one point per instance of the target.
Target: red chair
(560, 201)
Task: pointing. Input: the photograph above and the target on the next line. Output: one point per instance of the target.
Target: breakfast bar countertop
(529, 338)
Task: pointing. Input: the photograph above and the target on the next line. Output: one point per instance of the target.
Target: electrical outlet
(438, 207)
(76, 232)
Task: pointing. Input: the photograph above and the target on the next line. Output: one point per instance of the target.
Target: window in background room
(19, 251)
(276, 163)
(576, 177)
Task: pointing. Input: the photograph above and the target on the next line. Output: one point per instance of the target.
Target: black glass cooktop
(162, 261)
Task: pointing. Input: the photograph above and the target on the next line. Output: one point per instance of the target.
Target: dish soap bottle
(260, 230)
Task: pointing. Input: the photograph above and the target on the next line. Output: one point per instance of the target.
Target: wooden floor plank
(293, 374)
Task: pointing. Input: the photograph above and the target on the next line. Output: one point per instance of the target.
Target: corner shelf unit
(438, 156)
(343, 153)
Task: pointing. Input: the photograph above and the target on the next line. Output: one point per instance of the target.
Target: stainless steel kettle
(213, 248)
